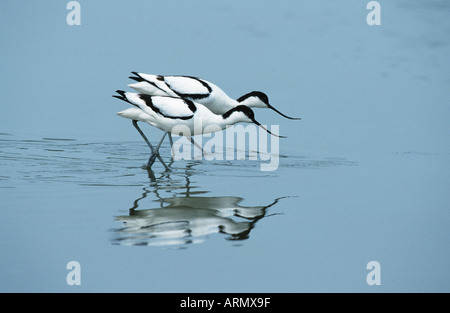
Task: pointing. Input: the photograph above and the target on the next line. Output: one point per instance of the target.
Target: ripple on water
(56, 160)
(179, 211)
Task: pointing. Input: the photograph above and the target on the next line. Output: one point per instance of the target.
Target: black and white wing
(167, 107)
(186, 87)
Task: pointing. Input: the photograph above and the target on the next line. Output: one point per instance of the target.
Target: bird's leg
(143, 136)
(171, 145)
(155, 154)
(197, 145)
(192, 141)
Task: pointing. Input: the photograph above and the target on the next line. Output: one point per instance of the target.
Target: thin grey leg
(143, 136)
(192, 141)
(197, 145)
(171, 145)
(155, 153)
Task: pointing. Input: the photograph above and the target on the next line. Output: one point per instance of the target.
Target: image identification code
(240, 302)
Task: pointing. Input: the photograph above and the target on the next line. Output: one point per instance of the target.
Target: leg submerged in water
(155, 152)
(197, 145)
(171, 145)
(192, 141)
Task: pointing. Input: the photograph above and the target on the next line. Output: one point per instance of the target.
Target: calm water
(223, 226)
(362, 177)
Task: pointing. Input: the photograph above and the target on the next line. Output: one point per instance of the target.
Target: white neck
(221, 103)
(216, 122)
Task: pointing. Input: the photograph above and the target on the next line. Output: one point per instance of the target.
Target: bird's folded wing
(186, 85)
(169, 107)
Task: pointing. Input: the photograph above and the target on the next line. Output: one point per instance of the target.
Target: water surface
(362, 177)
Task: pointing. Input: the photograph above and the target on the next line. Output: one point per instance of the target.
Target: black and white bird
(169, 113)
(200, 91)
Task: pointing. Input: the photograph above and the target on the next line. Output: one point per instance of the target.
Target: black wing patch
(149, 102)
(139, 78)
(191, 96)
(123, 97)
(191, 105)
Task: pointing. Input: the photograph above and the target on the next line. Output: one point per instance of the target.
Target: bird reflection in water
(185, 217)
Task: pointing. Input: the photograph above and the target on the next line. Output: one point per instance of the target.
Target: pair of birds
(168, 101)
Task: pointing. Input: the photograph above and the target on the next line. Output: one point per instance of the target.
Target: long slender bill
(284, 115)
(259, 124)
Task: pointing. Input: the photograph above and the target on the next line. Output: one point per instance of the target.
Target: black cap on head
(265, 99)
(261, 95)
(246, 110)
(241, 108)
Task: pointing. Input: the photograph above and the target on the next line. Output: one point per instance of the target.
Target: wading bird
(198, 90)
(169, 113)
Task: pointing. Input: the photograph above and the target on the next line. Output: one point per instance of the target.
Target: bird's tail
(122, 96)
(137, 78)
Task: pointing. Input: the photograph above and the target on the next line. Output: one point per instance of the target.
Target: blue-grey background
(364, 175)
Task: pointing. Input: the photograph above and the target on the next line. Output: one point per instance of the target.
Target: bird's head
(258, 99)
(243, 113)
